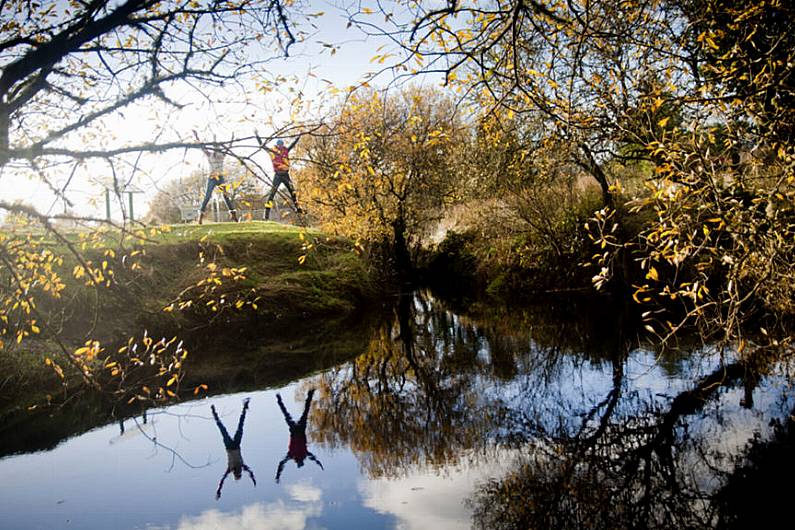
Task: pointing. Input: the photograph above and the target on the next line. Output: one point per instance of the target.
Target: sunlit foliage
(697, 94)
(384, 169)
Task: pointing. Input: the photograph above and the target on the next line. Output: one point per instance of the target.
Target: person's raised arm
(263, 143)
(221, 485)
(250, 474)
(281, 467)
(314, 459)
(203, 148)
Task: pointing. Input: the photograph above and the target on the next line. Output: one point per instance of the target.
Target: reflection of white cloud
(422, 501)
(273, 516)
(427, 500)
(305, 493)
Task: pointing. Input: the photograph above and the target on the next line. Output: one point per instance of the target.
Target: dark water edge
(603, 431)
(264, 355)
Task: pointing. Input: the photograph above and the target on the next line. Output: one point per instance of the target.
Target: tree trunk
(401, 249)
(591, 165)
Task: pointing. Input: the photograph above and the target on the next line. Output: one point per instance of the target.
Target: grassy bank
(218, 287)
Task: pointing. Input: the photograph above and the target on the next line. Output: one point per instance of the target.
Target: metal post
(130, 196)
(107, 204)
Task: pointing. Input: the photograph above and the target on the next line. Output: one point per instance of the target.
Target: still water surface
(402, 436)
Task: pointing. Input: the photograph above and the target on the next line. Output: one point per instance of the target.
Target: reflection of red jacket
(297, 449)
(280, 156)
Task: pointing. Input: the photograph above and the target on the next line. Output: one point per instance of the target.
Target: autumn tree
(385, 167)
(68, 73)
(697, 90)
(578, 66)
(526, 200)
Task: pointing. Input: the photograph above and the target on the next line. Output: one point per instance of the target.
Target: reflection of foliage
(631, 464)
(428, 387)
(595, 447)
(756, 481)
(412, 398)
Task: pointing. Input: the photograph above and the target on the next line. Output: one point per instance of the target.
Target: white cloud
(259, 516)
(305, 492)
(432, 500)
(421, 502)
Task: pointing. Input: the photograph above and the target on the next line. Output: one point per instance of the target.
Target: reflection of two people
(297, 450)
(235, 463)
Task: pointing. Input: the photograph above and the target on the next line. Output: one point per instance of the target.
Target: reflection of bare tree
(757, 482)
(410, 398)
(433, 384)
(157, 445)
(598, 448)
(640, 465)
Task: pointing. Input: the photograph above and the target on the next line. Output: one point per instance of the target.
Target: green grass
(330, 282)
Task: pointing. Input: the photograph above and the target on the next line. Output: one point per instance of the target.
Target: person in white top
(215, 159)
(234, 458)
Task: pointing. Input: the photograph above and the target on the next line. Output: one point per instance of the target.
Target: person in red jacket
(280, 158)
(296, 449)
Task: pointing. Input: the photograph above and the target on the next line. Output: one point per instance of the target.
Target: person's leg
(229, 204)
(289, 184)
(307, 405)
(225, 435)
(239, 432)
(277, 179)
(211, 183)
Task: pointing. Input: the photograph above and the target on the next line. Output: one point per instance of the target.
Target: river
(505, 420)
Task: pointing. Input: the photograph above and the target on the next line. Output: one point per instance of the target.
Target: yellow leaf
(172, 380)
(663, 122)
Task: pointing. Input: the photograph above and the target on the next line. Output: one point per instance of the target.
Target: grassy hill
(235, 293)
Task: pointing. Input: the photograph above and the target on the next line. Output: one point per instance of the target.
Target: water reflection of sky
(104, 479)
(163, 474)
